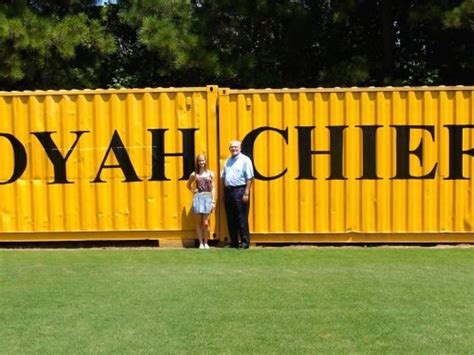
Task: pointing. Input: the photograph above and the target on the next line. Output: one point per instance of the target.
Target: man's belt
(235, 187)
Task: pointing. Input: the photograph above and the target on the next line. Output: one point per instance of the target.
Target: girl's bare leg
(206, 231)
(199, 231)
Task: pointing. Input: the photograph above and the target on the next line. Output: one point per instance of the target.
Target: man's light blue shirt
(237, 170)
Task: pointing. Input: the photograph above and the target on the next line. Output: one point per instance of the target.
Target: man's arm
(248, 185)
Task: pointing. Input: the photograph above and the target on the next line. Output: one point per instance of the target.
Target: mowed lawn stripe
(284, 300)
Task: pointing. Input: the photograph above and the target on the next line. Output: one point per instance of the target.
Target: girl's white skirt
(202, 202)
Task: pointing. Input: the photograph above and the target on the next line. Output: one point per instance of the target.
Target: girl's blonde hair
(197, 165)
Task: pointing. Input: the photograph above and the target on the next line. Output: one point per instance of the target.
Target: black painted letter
(369, 148)
(158, 153)
(404, 152)
(456, 151)
(19, 158)
(248, 145)
(124, 163)
(55, 156)
(305, 152)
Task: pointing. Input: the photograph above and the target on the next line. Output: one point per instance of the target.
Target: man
(237, 177)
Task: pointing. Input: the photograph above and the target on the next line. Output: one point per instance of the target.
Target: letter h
(305, 152)
(158, 153)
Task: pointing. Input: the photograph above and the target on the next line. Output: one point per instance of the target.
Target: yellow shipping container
(102, 164)
(356, 165)
(332, 165)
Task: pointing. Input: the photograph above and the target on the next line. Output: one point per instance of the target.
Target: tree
(237, 43)
(44, 44)
(414, 42)
(161, 36)
(265, 43)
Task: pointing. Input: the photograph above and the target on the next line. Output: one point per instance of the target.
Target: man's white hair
(239, 143)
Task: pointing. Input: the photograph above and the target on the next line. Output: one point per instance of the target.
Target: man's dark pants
(237, 213)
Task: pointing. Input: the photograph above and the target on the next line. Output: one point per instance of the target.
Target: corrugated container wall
(332, 165)
(368, 165)
(103, 164)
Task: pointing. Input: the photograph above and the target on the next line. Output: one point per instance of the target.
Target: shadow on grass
(130, 244)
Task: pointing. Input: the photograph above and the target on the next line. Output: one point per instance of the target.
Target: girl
(201, 183)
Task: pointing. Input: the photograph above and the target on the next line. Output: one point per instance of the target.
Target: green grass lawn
(329, 300)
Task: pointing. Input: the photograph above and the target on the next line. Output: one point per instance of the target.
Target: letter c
(248, 145)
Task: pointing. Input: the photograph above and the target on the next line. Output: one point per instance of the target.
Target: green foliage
(164, 28)
(162, 37)
(50, 51)
(461, 16)
(239, 43)
(439, 49)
